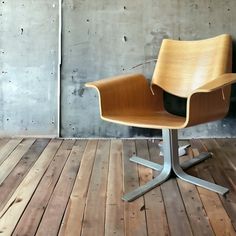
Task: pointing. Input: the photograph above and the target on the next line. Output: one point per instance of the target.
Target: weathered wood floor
(74, 187)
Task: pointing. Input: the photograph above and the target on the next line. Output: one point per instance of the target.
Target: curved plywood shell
(183, 66)
(197, 70)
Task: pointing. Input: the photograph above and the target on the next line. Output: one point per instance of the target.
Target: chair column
(170, 143)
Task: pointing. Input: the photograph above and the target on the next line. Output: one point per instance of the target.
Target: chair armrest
(218, 83)
(211, 101)
(124, 94)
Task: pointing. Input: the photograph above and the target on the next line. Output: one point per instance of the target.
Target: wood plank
(114, 224)
(154, 150)
(72, 221)
(224, 174)
(196, 213)
(8, 187)
(154, 205)
(163, 227)
(228, 159)
(8, 148)
(12, 160)
(154, 153)
(3, 142)
(53, 215)
(177, 217)
(135, 220)
(14, 208)
(32, 215)
(223, 170)
(218, 217)
(94, 216)
(228, 147)
(208, 213)
(186, 157)
(145, 173)
(221, 166)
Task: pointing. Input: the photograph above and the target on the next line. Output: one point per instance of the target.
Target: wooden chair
(196, 70)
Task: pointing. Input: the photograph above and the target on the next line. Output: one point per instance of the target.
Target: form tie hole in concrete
(21, 31)
(125, 38)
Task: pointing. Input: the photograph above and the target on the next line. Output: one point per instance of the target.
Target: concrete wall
(28, 67)
(104, 38)
(101, 38)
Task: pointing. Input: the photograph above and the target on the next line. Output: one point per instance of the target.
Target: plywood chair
(196, 70)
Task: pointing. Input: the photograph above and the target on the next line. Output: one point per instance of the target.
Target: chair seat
(153, 120)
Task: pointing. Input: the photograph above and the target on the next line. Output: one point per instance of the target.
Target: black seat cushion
(175, 105)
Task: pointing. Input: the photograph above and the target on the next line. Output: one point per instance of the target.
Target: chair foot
(199, 182)
(161, 178)
(194, 161)
(146, 163)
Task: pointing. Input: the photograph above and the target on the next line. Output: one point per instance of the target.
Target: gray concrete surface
(105, 38)
(101, 38)
(28, 63)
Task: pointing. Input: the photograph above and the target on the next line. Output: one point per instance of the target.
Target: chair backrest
(183, 66)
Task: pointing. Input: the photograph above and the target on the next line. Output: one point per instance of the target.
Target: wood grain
(175, 209)
(58, 195)
(218, 217)
(53, 215)
(12, 160)
(154, 204)
(220, 221)
(73, 218)
(135, 220)
(196, 213)
(114, 224)
(34, 211)
(223, 172)
(3, 142)
(8, 148)
(195, 62)
(199, 71)
(94, 216)
(12, 211)
(8, 187)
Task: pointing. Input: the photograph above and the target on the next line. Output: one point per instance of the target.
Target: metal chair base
(171, 164)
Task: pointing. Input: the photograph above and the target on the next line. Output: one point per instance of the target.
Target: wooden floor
(74, 187)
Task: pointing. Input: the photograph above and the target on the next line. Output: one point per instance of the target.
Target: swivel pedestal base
(172, 165)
